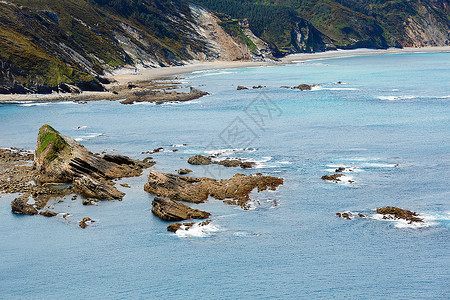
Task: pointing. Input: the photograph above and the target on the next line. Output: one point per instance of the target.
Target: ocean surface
(388, 121)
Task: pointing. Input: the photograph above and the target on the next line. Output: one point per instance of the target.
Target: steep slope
(45, 43)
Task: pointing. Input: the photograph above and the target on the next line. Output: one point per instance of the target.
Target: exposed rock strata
(197, 190)
(61, 159)
(171, 210)
(205, 160)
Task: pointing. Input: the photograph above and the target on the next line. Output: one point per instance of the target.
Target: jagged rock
(90, 201)
(85, 222)
(199, 160)
(197, 190)
(333, 177)
(48, 213)
(171, 210)
(67, 88)
(240, 87)
(345, 215)
(340, 169)
(303, 87)
(399, 213)
(61, 159)
(173, 227)
(258, 87)
(90, 187)
(21, 207)
(125, 185)
(184, 171)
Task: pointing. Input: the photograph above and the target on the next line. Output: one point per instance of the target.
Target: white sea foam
(209, 73)
(89, 136)
(341, 89)
(81, 127)
(197, 230)
(178, 145)
(225, 152)
(428, 220)
(395, 98)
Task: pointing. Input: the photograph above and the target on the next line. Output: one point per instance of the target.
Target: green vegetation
(51, 141)
(44, 43)
(233, 28)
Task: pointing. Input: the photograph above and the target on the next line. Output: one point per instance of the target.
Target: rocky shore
(61, 166)
(61, 162)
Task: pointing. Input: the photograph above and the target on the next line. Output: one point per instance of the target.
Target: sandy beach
(126, 75)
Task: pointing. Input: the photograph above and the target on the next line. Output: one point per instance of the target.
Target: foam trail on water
(197, 230)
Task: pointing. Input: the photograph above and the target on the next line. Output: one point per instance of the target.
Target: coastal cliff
(53, 46)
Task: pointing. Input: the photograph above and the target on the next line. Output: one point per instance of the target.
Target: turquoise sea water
(389, 121)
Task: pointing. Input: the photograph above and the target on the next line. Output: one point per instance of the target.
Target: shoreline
(126, 75)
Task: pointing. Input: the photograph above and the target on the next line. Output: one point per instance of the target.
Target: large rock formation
(61, 159)
(205, 160)
(390, 212)
(197, 190)
(171, 210)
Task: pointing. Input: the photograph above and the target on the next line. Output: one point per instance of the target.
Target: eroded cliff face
(219, 44)
(425, 30)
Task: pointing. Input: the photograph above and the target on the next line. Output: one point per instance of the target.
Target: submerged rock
(390, 212)
(85, 222)
(240, 87)
(197, 190)
(171, 210)
(333, 177)
(174, 227)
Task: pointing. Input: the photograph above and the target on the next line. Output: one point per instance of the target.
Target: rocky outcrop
(48, 213)
(304, 87)
(240, 88)
(174, 227)
(333, 177)
(171, 210)
(236, 190)
(199, 160)
(205, 160)
(160, 97)
(184, 171)
(93, 188)
(390, 212)
(85, 222)
(20, 206)
(61, 159)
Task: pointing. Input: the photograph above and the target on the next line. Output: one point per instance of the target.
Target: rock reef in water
(171, 210)
(304, 87)
(160, 97)
(197, 190)
(333, 177)
(391, 212)
(205, 160)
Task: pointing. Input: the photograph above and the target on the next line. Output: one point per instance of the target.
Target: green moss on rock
(51, 142)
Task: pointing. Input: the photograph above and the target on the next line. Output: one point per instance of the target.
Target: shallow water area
(387, 122)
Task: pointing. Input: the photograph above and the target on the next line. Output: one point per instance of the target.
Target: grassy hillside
(44, 43)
